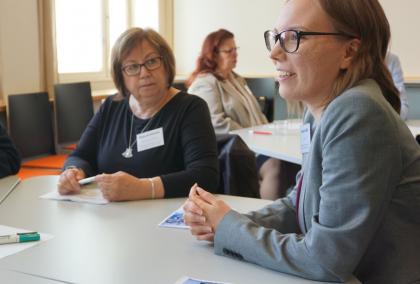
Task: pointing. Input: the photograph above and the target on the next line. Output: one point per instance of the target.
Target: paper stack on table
(91, 195)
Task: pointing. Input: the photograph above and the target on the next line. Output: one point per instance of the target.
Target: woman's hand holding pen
(68, 183)
(120, 186)
(203, 212)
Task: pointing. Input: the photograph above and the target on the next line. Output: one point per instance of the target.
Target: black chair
(264, 89)
(180, 85)
(418, 139)
(237, 166)
(3, 116)
(73, 111)
(31, 129)
(267, 107)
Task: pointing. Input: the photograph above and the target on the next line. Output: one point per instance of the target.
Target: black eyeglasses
(135, 68)
(290, 39)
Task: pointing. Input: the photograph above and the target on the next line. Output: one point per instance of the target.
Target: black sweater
(189, 153)
(9, 156)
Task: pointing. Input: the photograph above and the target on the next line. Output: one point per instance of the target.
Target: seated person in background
(394, 66)
(231, 102)
(356, 207)
(150, 140)
(9, 156)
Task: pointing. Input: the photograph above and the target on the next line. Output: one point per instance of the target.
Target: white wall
(19, 47)
(404, 19)
(194, 19)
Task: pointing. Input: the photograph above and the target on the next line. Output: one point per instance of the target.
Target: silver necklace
(128, 153)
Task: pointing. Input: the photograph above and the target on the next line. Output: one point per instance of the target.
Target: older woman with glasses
(150, 140)
(356, 206)
(231, 102)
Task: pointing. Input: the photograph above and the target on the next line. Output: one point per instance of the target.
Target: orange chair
(25, 173)
(48, 162)
(30, 126)
(70, 147)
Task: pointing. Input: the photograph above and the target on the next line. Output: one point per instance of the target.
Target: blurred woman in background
(232, 104)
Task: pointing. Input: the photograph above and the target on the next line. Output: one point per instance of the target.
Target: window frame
(102, 79)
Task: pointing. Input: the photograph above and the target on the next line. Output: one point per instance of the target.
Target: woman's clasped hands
(203, 213)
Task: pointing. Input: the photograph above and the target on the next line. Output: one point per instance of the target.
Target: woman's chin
(286, 93)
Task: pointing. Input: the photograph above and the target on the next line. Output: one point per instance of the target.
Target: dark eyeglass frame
(140, 65)
(299, 34)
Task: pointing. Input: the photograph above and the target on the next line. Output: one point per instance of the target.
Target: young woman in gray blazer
(356, 207)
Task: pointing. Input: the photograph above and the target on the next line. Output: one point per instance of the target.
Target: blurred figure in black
(9, 156)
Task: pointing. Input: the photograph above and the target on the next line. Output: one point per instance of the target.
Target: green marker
(20, 238)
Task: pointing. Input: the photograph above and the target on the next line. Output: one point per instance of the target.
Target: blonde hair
(365, 20)
(126, 42)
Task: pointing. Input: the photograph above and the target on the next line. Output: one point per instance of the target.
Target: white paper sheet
(189, 280)
(92, 195)
(9, 249)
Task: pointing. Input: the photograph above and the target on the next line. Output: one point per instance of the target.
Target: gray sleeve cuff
(226, 229)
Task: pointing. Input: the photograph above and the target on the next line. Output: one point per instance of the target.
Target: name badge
(150, 139)
(305, 138)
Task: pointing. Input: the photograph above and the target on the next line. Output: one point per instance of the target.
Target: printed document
(91, 195)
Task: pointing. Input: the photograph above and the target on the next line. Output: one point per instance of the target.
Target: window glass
(118, 21)
(79, 37)
(86, 32)
(146, 14)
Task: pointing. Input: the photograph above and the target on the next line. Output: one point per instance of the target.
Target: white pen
(87, 180)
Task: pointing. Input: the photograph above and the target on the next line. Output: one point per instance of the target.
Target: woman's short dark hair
(130, 39)
(206, 61)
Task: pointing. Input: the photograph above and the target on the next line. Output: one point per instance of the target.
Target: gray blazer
(231, 107)
(359, 208)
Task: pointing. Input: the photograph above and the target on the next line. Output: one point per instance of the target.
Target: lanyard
(298, 190)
